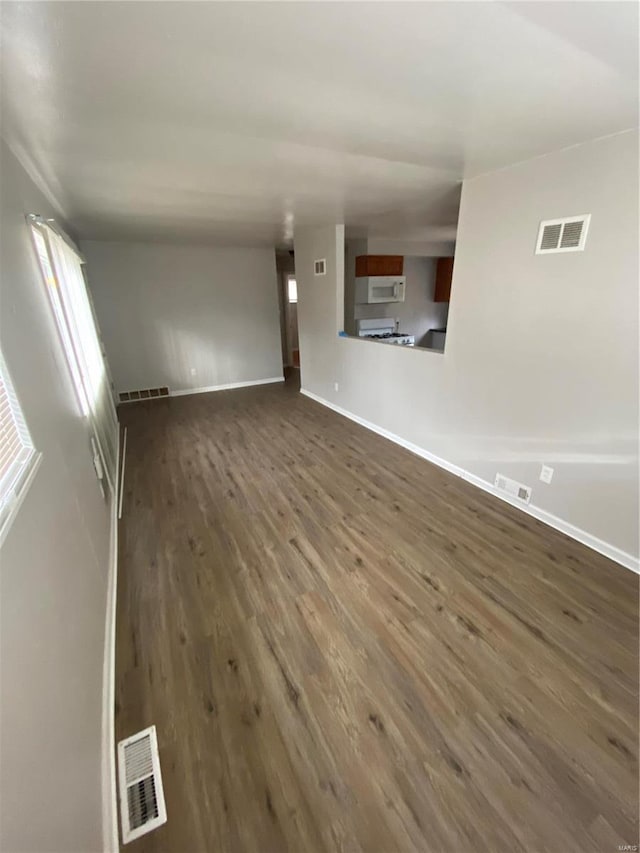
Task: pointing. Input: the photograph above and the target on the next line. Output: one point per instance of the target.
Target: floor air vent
(146, 394)
(142, 805)
(513, 488)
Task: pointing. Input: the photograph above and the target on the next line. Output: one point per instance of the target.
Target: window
(70, 302)
(292, 289)
(75, 324)
(18, 457)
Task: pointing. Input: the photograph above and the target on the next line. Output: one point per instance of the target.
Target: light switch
(546, 474)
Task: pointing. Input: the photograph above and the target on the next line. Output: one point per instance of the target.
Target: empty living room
(319, 426)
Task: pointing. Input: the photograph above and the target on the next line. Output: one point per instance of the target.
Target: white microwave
(380, 288)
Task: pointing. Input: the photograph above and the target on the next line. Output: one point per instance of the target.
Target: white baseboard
(602, 547)
(123, 468)
(109, 793)
(228, 387)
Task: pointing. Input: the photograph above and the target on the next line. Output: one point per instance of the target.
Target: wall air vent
(320, 267)
(513, 488)
(146, 394)
(563, 235)
(142, 805)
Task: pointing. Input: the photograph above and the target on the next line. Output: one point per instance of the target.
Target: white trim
(124, 460)
(228, 387)
(109, 792)
(599, 545)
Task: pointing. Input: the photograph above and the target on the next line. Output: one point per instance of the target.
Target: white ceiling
(233, 122)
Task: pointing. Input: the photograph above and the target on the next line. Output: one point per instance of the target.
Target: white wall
(165, 309)
(436, 248)
(53, 574)
(541, 364)
(320, 306)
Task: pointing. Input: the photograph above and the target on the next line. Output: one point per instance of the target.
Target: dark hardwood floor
(345, 648)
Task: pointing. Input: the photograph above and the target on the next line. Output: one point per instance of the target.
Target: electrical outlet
(546, 474)
(336, 386)
(193, 371)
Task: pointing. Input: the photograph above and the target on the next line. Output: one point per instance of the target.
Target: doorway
(289, 320)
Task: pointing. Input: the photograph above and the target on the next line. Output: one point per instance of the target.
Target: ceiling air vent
(142, 805)
(563, 235)
(320, 267)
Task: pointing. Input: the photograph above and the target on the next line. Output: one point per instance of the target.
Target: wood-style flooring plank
(345, 648)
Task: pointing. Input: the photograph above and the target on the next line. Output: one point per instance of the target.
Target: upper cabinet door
(444, 274)
(368, 265)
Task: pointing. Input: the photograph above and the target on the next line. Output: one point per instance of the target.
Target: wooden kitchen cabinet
(367, 265)
(444, 274)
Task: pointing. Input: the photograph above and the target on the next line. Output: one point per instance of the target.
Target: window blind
(16, 448)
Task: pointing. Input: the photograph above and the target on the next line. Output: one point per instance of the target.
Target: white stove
(383, 330)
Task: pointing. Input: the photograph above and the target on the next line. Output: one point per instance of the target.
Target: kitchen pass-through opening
(398, 300)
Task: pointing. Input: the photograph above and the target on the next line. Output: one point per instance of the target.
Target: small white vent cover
(320, 267)
(142, 806)
(563, 235)
(513, 488)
